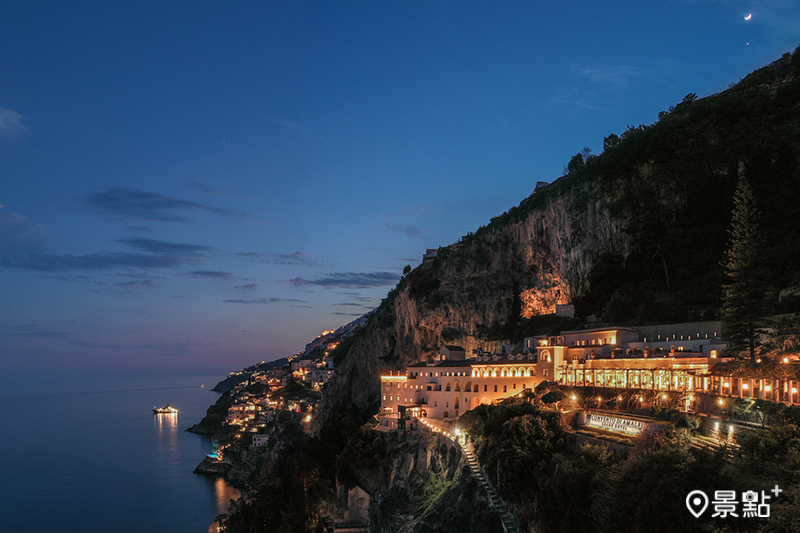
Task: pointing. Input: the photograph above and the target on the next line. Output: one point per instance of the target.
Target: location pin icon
(697, 502)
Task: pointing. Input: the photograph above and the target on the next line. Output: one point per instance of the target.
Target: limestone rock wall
(543, 259)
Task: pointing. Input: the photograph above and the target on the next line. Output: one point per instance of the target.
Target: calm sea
(94, 458)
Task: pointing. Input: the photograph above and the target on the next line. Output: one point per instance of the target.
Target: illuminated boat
(168, 410)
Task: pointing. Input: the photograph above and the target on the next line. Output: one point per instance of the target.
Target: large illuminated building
(668, 358)
(674, 358)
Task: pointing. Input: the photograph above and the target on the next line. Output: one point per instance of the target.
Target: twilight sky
(205, 185)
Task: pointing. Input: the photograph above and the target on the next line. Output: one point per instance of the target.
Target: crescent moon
(749, 16)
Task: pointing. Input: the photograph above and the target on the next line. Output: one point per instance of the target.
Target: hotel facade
(668, 358)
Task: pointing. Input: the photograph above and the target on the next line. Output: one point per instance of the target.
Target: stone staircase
(509, 524)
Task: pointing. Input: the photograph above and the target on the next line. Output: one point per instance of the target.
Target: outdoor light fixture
(767, 388)
(745, 386)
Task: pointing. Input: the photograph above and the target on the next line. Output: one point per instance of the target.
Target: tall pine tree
(743, 293)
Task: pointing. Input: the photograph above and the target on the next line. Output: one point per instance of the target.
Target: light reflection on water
(110, 464)
(225, 493)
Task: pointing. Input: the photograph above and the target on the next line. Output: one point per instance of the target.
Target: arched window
(447, 387)
(458, 386)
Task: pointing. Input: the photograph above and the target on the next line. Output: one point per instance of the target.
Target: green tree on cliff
(742, 292)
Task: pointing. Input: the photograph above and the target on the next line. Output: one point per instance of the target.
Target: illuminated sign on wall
(611, 423)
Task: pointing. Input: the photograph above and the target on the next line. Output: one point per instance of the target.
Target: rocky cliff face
(635, 235)
(522, 268)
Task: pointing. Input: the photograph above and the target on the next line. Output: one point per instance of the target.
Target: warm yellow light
(599, 398)
(664, 396)
(745, 386)
(720, 401)
(574, 397)
(767, 388)
(785, 359)
(794, 390)
(308, 418)
(726, 384)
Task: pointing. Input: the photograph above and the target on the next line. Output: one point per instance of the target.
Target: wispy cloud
(574, 98)
(350, 280)
(250, 287)
(150, 283)
(612, 77)
(357, 297)
(135, 204)
(76, 278)
(263, 300)
(289, 125)
(210, 274)
(142, 229)
(141, 275)
(13, 126)
(203, 186)
(298, 258)
(34, 331)
(18, 234)
(409, 230)
(165, 347)
(24, 245)
(163, 247)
